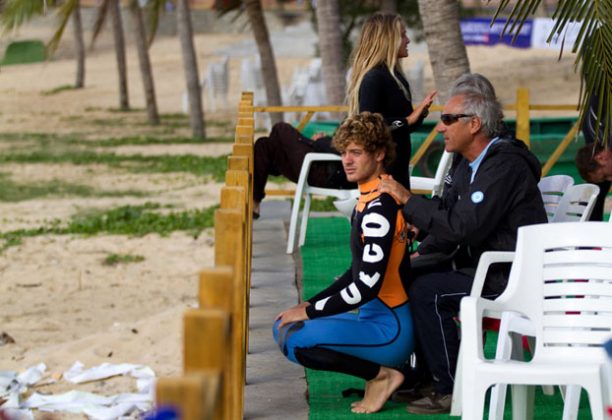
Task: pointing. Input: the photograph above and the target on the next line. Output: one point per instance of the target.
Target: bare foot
(378, 391)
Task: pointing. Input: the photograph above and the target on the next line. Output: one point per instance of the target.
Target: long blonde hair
(379, 43)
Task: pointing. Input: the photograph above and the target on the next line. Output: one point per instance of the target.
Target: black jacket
(380, 93)
(484, 215)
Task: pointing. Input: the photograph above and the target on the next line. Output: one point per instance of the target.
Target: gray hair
(479, 99)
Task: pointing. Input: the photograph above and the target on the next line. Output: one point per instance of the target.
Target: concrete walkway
(276, 388)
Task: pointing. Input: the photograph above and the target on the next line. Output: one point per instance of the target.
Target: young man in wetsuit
(322, 333)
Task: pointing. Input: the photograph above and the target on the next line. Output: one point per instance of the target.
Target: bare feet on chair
(378, 391)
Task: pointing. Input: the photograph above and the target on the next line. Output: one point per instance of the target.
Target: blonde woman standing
(378, 85)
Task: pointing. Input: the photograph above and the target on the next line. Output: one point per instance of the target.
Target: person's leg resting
(435, 302)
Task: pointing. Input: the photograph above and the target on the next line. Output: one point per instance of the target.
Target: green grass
(116, 259)
(57, 90)
(125, 220)
(11, 191)
(196, 165)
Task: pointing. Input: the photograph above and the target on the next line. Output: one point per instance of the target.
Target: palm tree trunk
(190, 65)
(119, 40)
(79, 45)
(330, 43)
(268, 63)
(145, 62)
(447, 52)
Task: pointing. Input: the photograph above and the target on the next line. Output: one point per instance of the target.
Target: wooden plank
(569, 137)
(232, 197)
(522, 115)
(229, 250)
(206, 337)
(419, 153)
(238, 163)
(216, 290)
(195, 396)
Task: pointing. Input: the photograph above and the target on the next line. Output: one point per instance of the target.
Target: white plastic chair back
(306, 190)
(576, 204)
(217, 83)
(552, 189)
(435, 184)
(561, 281)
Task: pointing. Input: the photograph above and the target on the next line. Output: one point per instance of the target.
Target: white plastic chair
(561, 281)
(576, 204)
(552, 189)
(435, 184)
(303, 188)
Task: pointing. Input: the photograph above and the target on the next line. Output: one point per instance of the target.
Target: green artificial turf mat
(326, 255)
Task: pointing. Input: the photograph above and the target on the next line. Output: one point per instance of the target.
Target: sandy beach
(59, 302)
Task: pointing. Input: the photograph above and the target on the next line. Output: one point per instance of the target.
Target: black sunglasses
(448, 119)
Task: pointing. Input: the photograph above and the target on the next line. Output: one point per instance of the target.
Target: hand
(390, 186)
(317, 136)
(413, 232)
(294, 314)
(414, 255)
(422, 110)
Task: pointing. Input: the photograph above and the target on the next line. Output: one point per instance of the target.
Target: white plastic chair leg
(304, 224)
(456, 405)
(571, 402)
(295, 213)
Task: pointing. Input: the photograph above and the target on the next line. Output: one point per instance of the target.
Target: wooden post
(238, 163)
(216, 291)
(424, 146)
(196, 396)
(559, 150)
(246, 121)
(232, 198)
(206, 334)
(522, 115)
(244, 130)
(229, 250)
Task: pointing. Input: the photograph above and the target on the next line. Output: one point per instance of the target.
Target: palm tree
(190, 65)
(16, 12)
(114, 7)
(144, 61)
(330, 43)
(268, 63)
(593, 46)
(447, 52)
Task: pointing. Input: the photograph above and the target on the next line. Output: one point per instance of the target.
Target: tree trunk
(268, 63)
(119, 40)
(79, 45)
(447, 52)
(145, 62)
(190, 65)
(388, 6)
(330, 44)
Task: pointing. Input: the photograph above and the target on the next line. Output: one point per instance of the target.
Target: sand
(58, 301)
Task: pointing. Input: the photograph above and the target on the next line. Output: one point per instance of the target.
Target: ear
(379, 156)
(603, 157)
(475, 125)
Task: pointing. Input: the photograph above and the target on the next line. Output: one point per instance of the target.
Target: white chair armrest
(486, 259)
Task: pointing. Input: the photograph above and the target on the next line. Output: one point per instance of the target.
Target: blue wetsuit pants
(354, 344)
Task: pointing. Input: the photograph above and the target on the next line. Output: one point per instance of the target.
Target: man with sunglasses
(490, 191)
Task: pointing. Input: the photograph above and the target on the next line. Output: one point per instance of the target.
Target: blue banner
(478, 31)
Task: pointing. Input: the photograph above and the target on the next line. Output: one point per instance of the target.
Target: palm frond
(154, 9)
(64, 12)
(593, 46)
(100, 20)
(17, 12)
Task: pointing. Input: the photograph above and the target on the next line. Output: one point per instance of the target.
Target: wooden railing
(215, 339)
(522, 107)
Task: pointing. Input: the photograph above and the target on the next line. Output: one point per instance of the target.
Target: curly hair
(585, 161)
(368, 130)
